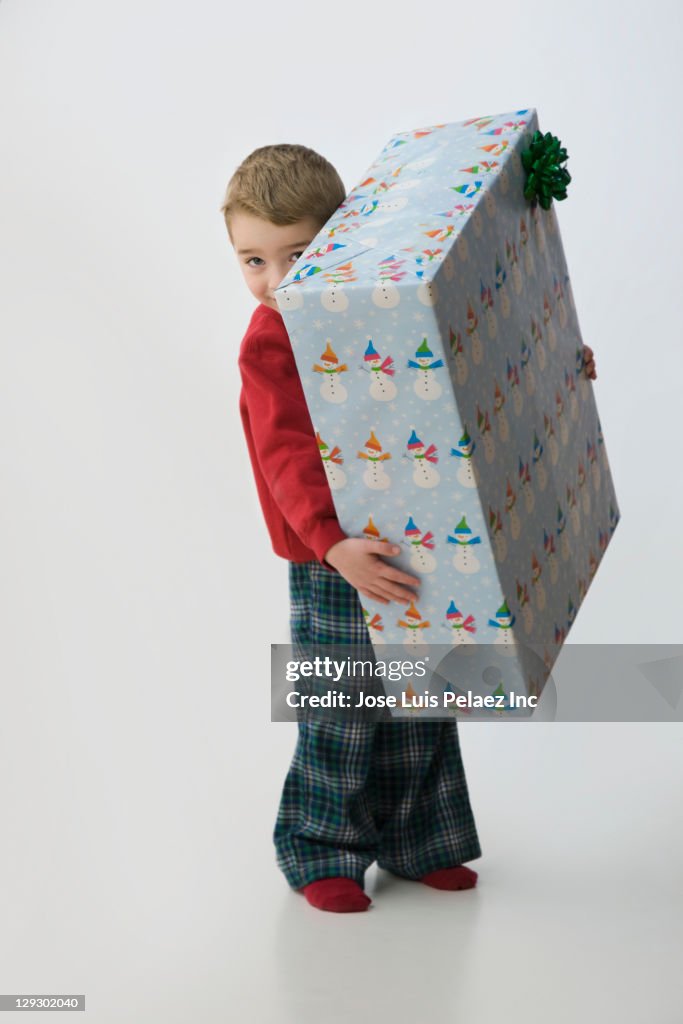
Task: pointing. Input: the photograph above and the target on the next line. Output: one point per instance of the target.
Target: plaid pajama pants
(356, 792)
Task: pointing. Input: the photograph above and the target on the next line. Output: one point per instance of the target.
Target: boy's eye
(296, 256)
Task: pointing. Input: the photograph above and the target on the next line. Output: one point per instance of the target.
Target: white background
(139, 772)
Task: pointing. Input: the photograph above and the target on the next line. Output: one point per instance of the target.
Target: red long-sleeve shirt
(290, 477)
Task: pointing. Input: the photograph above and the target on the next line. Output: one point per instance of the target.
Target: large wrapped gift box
(434, 329)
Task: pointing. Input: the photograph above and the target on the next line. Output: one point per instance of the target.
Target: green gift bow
(546, 179)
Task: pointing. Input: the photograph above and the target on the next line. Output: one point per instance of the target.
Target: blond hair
(283, 184)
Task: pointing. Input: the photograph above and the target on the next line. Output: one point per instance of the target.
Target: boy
(356, 792)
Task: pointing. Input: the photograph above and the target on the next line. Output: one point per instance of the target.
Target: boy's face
(266, 251)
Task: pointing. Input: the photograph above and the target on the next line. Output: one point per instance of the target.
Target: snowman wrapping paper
(434, 330)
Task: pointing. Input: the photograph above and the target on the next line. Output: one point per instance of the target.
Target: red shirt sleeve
(284, 439)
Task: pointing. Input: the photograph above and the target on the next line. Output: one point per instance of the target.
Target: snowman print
(426, 385)
(427, 293)
(510, 502)
(375, 476)
(473, 334)
(553, 447)
(487, 305)
(501, 290)
(458, 353)
(425, 473)
(537, 584)
(289, 298)
(529, 265)
(461, 628)
(420, 546)
(524, 478)
(537, 340)
(514, 266)
(463, 452)
(500, 414)
(515, 389)
(464, 559)
(503, 623)
(375, 626)
(382, 387)
(527, 369)
(537, 463)
(548, 323)
(333, 298)
(332, 460)
(500, 544)
(385, 294)
(331, 388)
(551, 556)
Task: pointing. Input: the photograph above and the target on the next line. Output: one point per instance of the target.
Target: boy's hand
(360, 562)
(589, 362)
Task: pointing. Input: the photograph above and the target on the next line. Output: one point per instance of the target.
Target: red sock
(341, 895)
(458, 877)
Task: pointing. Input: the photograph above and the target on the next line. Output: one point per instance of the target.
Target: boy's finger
(396, 576)
(384, 586)
(399, 595)
(385, 594)
(372, 595)
(381, 547)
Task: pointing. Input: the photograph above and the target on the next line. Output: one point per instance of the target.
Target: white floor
(150, 885)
